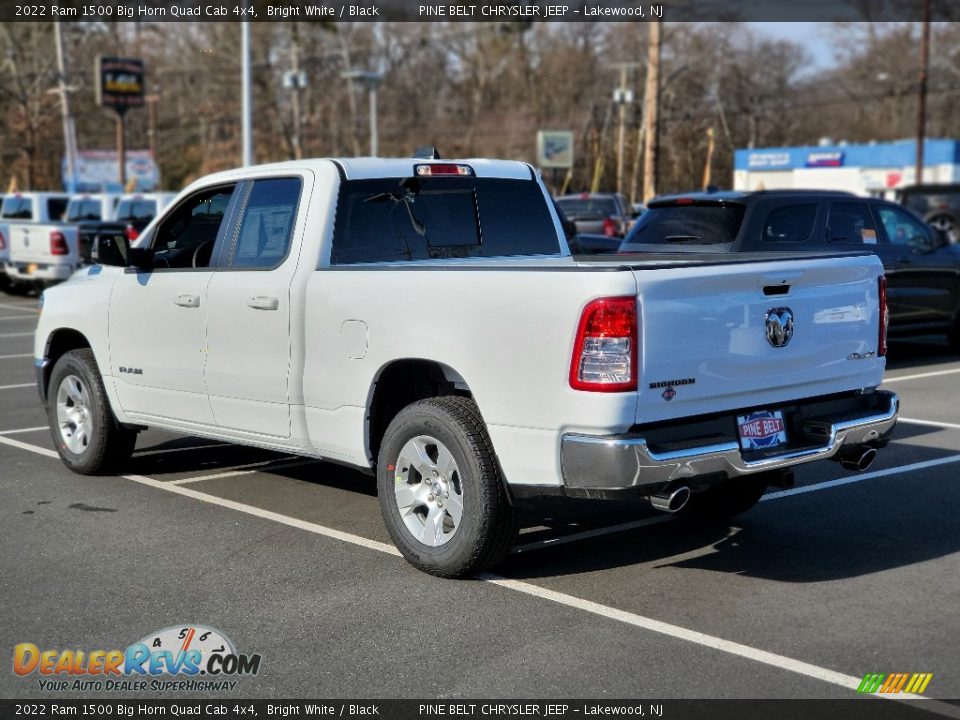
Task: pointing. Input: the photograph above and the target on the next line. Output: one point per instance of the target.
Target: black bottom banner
(866, 708)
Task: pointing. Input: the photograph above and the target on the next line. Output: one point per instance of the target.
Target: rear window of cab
(436, 218)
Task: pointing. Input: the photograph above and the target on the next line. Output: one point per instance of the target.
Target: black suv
(922, 267)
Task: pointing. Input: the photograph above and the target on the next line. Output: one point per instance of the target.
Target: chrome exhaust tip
(673, 501)
(858, 459)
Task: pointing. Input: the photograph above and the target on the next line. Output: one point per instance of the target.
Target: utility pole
(69, 129)
(246, 120)
(651, 107)
(295, 62)
(153, 131)
(708, 165)
(623, 98)
(922, 100)
(371, 79)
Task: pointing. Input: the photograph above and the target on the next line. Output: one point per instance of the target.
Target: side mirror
(113, 250)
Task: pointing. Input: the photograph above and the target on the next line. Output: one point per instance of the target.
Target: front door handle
(188, 301)
(263, 302)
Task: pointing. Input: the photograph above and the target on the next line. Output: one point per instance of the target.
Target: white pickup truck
(423, 319)
(42, 249)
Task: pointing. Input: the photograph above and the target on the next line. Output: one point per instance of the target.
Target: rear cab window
(587, 208)
(137, 210)
(429, 218)
(850, 223)
(701, 223)
(17, 208)
(84, 209)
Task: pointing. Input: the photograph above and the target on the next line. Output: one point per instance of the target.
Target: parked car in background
(607, 214)
(42, 248)
(922, 267)
(132, 214)
(88, 211)
(938, 205)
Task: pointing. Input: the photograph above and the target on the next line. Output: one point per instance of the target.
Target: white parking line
(936, 373)
(18, 317)
(729, 647)
(912, 467)
(23, 430)
(11, 357)
(28, 446)
(21, 385)
(931, 423)
(238, 470)
(20, 308)
(22, 334)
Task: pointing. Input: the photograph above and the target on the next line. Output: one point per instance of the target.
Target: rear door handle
(188, 301)
(263, 302)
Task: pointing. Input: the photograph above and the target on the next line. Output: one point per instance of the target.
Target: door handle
(188, 301)
(263, 302)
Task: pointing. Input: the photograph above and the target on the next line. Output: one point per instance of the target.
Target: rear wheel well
(404, 382)
(59, 344)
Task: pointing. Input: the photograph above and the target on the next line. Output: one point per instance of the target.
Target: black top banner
(478, 10)
(866, 708)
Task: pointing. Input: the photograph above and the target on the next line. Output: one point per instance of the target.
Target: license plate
(762, 430)
(31, 268)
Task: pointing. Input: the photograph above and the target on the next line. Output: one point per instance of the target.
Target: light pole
(246, 121)
(371, 79)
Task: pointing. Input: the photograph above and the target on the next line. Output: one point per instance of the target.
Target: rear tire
(725, 499)
(85, 432)
(441, 491)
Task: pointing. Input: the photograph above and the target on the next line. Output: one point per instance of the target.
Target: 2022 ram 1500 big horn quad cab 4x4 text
(423, 319)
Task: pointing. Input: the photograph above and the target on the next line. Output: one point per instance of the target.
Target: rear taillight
(610, 227)
(884, 317)
(3, 242)
(58, 243)
(130, 233)
(605, 351)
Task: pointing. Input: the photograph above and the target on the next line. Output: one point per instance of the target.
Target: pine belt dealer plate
(762, 430)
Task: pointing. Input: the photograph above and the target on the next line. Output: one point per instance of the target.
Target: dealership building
(870, 169)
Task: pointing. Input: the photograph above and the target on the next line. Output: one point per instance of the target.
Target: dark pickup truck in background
(921, 265)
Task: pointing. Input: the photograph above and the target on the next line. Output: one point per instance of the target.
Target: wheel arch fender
(400, 382)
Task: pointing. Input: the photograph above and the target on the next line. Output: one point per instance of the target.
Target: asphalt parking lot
(801, 597)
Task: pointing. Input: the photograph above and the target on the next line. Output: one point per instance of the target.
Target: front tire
(441, 491)
(85, 432)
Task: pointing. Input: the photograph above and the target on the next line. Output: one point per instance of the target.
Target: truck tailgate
(703, 336)
(32, 244)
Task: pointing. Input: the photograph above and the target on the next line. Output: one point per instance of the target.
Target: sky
(810, 34)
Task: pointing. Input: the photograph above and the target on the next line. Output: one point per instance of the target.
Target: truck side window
(902, 228)
(850, 223)
(187, 237)
(263, 240)
(792, 223)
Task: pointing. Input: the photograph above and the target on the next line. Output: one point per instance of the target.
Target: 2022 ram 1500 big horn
(423, 319)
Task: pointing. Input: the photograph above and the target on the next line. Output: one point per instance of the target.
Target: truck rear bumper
(38, 272)
(641, 462)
